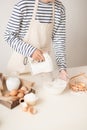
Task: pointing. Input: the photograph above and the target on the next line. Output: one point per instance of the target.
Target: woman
(32, 27)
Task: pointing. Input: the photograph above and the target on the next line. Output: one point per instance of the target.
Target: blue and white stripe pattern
(19, 22)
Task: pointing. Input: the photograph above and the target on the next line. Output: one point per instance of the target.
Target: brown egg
(24, 88)
(20, 95)
(74, 88)
(32, 110)
(13, 92)
(21, 91)
(81, 84)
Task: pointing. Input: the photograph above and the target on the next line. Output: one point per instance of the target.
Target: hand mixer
(40, 67)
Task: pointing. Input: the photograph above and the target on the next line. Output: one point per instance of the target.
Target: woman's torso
(44, 14)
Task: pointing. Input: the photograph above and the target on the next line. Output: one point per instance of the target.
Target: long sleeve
(19, 23)
(59, 39)
(12, 36)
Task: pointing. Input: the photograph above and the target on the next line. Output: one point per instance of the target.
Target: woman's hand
(63, 75)
(38, 55)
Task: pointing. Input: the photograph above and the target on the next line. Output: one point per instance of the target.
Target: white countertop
(67, 111)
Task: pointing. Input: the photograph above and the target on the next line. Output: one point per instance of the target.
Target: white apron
(39, 35)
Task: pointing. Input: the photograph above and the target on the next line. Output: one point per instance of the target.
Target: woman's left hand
(63, 75)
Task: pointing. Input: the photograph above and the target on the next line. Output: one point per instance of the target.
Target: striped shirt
(19, 22)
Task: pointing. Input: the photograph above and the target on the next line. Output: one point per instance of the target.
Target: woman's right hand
(38, 55)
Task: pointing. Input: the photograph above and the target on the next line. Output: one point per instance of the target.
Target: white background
(76, 28)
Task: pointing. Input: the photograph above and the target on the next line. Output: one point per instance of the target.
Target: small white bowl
(55, 87)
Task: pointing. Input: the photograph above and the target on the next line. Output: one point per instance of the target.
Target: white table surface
(67, 111)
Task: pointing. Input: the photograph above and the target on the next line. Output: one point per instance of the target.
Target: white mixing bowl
(55, 87)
